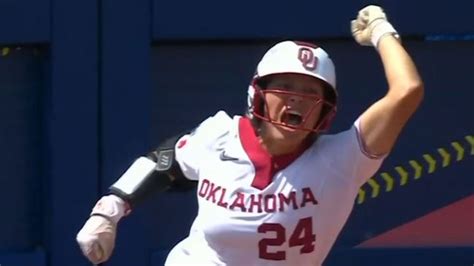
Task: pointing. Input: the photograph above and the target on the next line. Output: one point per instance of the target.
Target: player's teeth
(294, 112)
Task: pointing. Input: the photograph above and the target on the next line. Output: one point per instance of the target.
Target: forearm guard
(156, 172)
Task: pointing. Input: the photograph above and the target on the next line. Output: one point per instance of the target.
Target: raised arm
(383, 121)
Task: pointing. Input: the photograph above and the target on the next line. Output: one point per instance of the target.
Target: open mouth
(292, 118)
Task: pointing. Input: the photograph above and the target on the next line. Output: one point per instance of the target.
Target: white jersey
(259, 210)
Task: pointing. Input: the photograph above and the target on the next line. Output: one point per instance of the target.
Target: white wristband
(381, 29)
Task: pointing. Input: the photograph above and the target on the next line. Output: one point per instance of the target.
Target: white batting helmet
(298, 58)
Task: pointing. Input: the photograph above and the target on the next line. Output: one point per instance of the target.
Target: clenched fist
(371, 25)
(97, 237)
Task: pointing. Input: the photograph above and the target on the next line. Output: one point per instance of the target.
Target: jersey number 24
(302, 236)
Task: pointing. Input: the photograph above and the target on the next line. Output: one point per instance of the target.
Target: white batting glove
(371, 25)
(97, 237)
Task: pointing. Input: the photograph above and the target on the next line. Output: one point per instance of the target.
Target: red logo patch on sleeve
(181, 143)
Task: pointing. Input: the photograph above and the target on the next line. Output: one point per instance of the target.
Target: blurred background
(87, 86)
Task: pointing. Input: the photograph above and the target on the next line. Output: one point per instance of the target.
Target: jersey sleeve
(347, 151)
(192, 149)
(368, 164)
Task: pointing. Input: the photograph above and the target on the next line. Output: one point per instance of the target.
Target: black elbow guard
(156, 172)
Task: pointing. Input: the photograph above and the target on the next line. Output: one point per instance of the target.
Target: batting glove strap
(111, 207)
(381, 28)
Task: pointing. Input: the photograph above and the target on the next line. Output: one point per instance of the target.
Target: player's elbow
(415, 92)
(410, 94)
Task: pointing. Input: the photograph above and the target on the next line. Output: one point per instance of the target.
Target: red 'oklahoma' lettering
(257, 203)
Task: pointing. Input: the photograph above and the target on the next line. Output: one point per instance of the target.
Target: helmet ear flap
(258, 101)
(329, 108)
(326, 121)
(325, 124)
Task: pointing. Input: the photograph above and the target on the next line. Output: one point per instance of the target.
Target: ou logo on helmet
(307, 58)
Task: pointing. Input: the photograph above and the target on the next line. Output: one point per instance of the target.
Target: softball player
(272, 190)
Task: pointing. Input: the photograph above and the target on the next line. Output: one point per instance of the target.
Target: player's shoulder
(217, 122)
(325, 139)
(336, 141)
(214, 127)
(345, 143)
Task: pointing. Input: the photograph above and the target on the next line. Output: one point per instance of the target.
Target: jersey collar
(266, 165)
